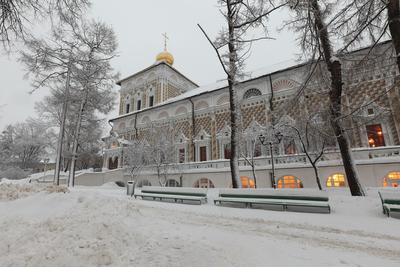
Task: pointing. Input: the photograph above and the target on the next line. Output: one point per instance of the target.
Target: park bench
(301, 200)
(177, 194)
(390, 203)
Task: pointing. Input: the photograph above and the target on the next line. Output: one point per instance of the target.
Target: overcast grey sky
(139, 25)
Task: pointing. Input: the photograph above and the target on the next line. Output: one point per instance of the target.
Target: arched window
(113, 163)
(336, 180)
(139, 102)
(181, 110)
(247, 182)
(172, 183)
(289, 181)
(143, 183)
(163, 115)
(151, 97)
(392, 179)
(251, 93)
(127, 104)
(203, 183)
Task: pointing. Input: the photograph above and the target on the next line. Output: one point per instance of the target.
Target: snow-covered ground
(101, 226)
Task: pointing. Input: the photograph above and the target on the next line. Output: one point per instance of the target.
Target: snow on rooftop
(280, 66)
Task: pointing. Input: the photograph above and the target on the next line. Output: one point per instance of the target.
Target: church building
(201, 115)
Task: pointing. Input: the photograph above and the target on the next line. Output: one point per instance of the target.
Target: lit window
(247, 182)
(375, 135)
(392, 179)
(289, 181)
(203, 183)
(336, 180)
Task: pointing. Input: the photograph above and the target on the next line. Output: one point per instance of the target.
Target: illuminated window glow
(289, 181)
(392, 179)
(336, 180)
(203, 183)
(375, 135)
(247, 182)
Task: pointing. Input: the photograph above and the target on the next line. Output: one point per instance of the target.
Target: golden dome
(166, 57)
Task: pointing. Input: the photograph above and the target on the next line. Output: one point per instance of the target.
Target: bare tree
(18, 16)
(51, 64)
(310, 131)
(76, 60)
(253, 145)
(368, 19)
(232, 47)
(50, 110)
(94, 74)
(135, 154)
(311, 21)
(25, 143)
(161, 150)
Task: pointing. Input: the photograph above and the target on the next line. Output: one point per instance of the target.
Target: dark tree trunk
(234, 114)
(335, 94)
(393, 8)
(317, 176)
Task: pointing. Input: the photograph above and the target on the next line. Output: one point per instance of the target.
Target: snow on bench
(173, 193)
(303, 200)
(390, 202)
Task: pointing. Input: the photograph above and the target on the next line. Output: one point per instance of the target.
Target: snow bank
(12, 191)
(98, 226)
(110, 185)
(12, 181)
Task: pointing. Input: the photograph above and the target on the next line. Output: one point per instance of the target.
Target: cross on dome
(166, 38)
(165, 55)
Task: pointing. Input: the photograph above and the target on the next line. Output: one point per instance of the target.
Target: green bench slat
(391, 201)
(275, 197)
(285, 204)
(171, 196)
(174, 193)
(275, 201)
(391, 206)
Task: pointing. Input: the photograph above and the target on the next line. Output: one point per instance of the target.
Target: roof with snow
(219, 85)
(260, 73)
(153, 66)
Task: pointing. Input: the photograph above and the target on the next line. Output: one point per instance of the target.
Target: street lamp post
(274, 140)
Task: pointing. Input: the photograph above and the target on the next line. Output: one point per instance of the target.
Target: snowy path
(99, 227)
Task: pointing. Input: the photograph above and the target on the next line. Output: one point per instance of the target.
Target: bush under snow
(12, 191)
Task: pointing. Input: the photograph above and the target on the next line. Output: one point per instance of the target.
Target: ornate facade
(161, 94)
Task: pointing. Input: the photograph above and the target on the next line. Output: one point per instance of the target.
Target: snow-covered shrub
(9, 191)
(13, 173)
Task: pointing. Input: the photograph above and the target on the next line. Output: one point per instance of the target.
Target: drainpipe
(193, 130)
(136, 130)
(271, 106)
